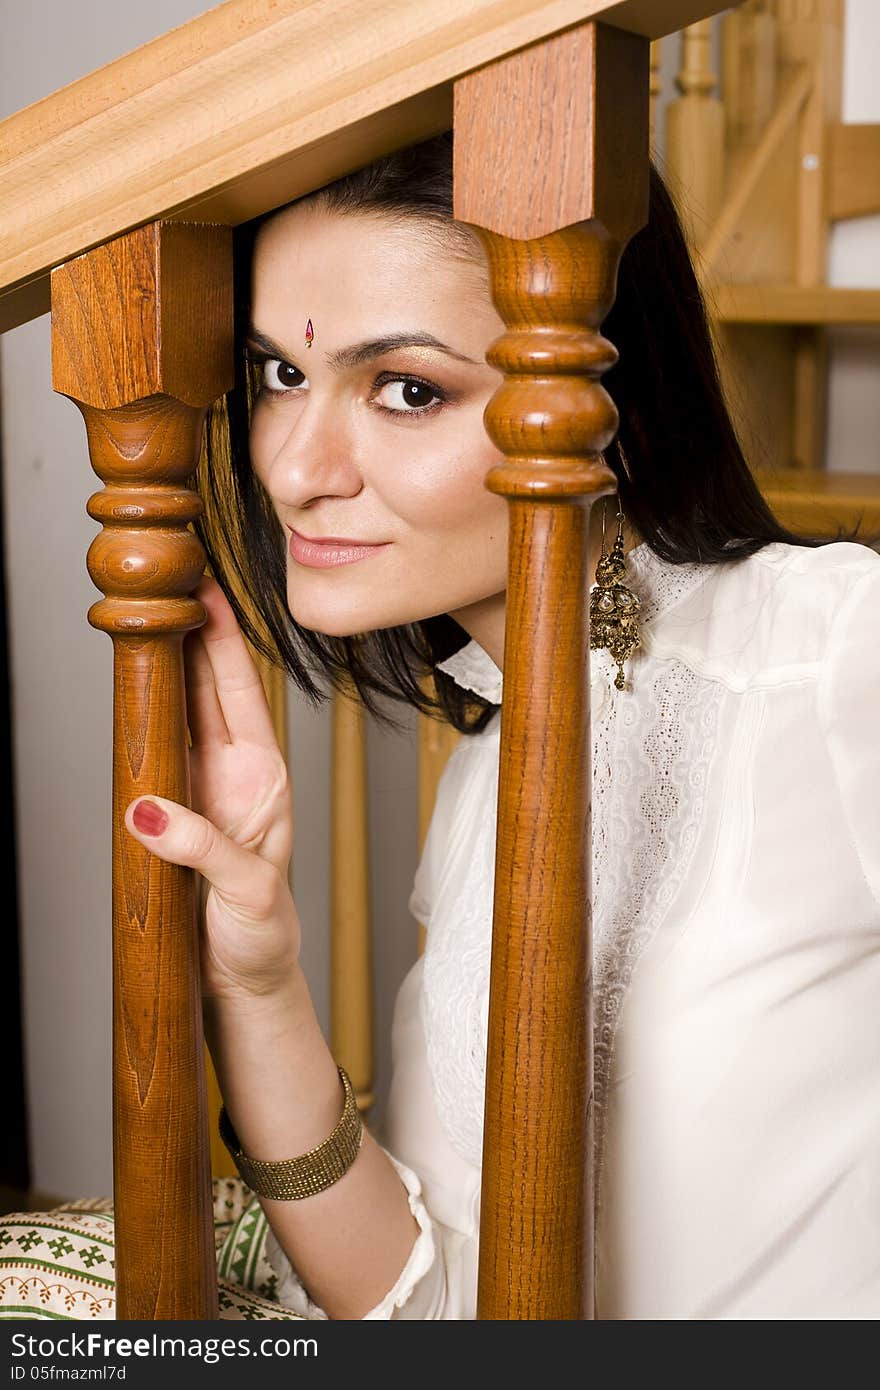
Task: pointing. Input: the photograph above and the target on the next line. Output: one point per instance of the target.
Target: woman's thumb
(180, 836)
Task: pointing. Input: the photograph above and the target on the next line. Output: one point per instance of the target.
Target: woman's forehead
(311, 241)
(311, 262)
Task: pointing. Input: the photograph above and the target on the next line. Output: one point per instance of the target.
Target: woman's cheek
(445, 488)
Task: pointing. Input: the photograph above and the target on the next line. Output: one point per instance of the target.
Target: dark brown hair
(688, 489)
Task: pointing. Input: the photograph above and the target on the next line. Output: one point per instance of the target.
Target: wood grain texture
(573, 171)
(132, 322)
(248, 106)
(852, 162)
(128, 319)
(580, 159)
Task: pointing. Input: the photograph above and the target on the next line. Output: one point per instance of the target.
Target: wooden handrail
(247, 107)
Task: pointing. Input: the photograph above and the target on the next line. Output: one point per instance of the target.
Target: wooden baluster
(554, 201)
(748, 72)
(656, 87)
(811, 31)
(142, 343)
(695, 134)
(351, 957)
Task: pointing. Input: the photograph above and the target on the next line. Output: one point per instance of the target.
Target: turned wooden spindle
(351, 956)
(656, 88)
(748, 72)
(142, 343)
(695, 134)
(554, 201)
(810, 32)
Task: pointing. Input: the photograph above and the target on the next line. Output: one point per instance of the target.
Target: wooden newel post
(142, 342)
(551, 168)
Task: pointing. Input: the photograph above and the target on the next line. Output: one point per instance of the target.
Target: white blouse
(736, 888)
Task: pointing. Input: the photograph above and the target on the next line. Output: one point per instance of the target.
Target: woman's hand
(239, 834)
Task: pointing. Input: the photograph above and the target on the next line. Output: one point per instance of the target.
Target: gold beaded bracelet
(290, 1179)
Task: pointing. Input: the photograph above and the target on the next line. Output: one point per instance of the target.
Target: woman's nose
(316, 456)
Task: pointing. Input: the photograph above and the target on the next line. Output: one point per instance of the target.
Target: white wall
(61, 667)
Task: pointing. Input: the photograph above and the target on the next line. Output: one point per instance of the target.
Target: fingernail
(149, 818)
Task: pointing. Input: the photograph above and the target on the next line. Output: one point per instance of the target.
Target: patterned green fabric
(60, 1263)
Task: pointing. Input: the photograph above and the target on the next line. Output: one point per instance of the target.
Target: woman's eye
(278, 376)
(405, 396)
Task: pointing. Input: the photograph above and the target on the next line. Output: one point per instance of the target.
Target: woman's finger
(236, 678)
(179, 836)
(203, 713)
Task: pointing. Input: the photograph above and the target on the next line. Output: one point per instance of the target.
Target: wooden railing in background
(351, 957)
(761, 173)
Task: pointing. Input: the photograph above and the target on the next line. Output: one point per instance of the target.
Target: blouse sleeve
(439, 1278)
(849, 702)
(291, 1292)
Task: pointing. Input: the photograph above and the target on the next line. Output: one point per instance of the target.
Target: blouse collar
(659, 584)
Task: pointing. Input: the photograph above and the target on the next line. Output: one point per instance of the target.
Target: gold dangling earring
(614, 608)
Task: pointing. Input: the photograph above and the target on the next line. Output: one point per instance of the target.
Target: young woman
(736, 826)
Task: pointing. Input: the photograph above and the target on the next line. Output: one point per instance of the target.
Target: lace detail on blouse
(652, 749)
(659, 584)
(651, 768)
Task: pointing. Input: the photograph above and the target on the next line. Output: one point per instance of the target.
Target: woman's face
(363, 440)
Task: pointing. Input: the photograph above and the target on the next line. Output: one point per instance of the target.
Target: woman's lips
(324, 553)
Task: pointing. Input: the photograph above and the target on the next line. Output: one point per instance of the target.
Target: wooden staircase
(760, 172)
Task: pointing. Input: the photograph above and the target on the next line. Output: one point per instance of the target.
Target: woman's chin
(333, 622)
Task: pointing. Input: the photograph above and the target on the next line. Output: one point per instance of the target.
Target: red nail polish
(149, 818)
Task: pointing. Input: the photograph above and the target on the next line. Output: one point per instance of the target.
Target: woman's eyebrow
(363, 352)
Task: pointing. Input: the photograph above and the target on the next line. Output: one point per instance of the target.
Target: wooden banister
(554, 202)
(656, 88)
(748, 70)
(695, 134)
(247, 107)
(792, 169)
(124, 319)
